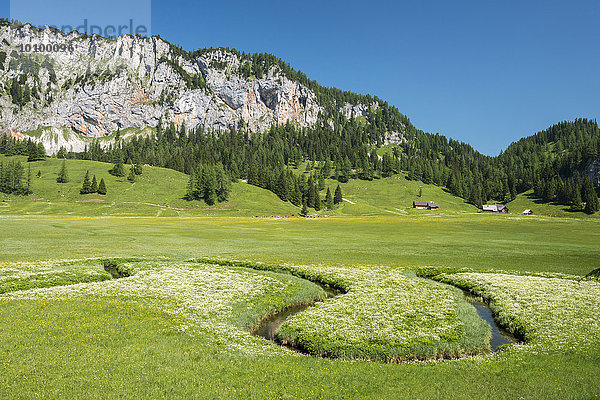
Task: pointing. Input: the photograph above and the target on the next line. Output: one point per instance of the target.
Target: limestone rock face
(107, 84)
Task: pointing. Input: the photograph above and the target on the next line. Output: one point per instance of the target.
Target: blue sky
(483, 72)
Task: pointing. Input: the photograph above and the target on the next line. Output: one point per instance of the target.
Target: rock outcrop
(101, 85)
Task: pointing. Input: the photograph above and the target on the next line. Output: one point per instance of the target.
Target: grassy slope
(157, 192)
(528, 201)
(394, 195)
(160, 191)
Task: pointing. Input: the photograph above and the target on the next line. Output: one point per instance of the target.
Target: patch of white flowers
(203, 295)
(20, 275)
(551, 313)
(383, 311)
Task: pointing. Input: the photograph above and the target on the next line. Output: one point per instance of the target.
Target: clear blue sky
(483, 72)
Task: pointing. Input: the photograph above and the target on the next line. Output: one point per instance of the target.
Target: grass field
(477, 241)
(177, 329)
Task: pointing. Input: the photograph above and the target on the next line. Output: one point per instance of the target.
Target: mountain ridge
(104, 85)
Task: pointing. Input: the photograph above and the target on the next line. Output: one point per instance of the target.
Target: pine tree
(118, 169)
(87, 186)
(329, 200)
(131, 176)
(61, 153)
(549, 191)
(102, 187)
(313, 194)
(326, 168)
(304, 211)
(321, 182)
(209, 185)
(28, 180)
(223, 184)
(590, 197)
(337, 197)
(63, 176)
(94, 186)
(41, 151)
(192, 192)
(32, 153)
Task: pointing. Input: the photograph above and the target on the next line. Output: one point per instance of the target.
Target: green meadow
(160, 192)
(178, 329)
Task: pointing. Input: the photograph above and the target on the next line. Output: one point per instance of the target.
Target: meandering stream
(268, 327)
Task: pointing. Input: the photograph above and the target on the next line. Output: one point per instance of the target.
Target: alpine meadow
(213, 223)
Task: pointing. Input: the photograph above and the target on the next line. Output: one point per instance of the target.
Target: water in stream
(499, 336)
(270, 325)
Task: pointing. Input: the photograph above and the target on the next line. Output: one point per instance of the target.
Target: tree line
(13, 179)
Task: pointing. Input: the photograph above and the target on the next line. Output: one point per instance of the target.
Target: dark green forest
(551, 162)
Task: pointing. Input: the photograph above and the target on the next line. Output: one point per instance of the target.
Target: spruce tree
(29, 180)
(131, 176)
(94, 186)
(281, 186)
(317, 202)
(32, 153)
(549, 191)
(102, 187)
(87, 186)
(313, 194)
(337, 197)
(297, 194)
(223, 187)
(209, 185)
(329, 200)
(63, 176)
(41, 151)
(590, 197)
(321, 182)
(304, 211)
(3, 178)
(189, 194)
(118, 168)
(326, 168)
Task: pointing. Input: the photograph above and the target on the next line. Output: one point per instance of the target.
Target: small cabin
(528, 212)
(425, 205)
(495, 208)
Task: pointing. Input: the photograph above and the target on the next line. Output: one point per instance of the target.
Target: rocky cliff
(93, 86)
